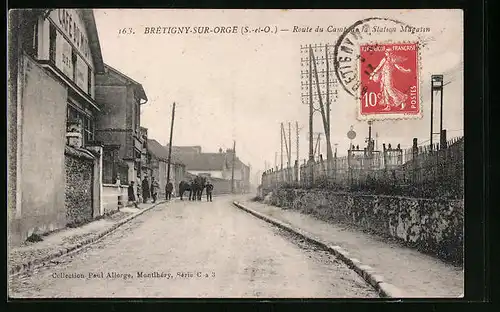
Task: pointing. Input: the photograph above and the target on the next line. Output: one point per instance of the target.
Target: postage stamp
(380, 68)
(389, 79)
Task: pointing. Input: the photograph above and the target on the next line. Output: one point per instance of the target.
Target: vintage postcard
(190, 153)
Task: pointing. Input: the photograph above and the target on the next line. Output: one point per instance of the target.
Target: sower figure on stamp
(209, 188)
(131, 194)
(391, 96)
(154, 189)
(145, 190)
(168, 190)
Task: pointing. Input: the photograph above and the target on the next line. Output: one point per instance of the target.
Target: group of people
(147, 190)
(144, 191)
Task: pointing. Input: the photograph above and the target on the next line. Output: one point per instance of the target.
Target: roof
(238, 164)
(160, 152)
(95, 46)
(186, 149)
(204, 161)
(210, 161)
(138, 86)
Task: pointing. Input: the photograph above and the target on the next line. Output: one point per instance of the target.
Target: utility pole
(232, 169)
(289, 149)
(170, 143)
(327, 92)
(282, 132)
(297, 128)
(275, 159)
(287, 144)
(323, 113)
(318, 145)
(311, 109)
(298, 170)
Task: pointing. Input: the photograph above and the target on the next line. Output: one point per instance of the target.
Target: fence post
(384, 156)
(415, 160)
(443, 139)
(322, 164)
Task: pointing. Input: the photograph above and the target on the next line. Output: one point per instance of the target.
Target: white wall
(110, 197)
(212, 173)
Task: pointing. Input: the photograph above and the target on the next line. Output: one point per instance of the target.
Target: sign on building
(64, 56)
(72, 50)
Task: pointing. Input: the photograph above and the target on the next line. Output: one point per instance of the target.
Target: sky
(241, 87)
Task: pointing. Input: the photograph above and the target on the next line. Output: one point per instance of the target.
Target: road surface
(195, 249)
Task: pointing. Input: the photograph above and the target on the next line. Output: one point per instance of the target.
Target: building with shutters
(119, 125)
(53, 159)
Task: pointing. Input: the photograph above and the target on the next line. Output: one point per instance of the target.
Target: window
(88, 129)
(87, 122)
(52, 47)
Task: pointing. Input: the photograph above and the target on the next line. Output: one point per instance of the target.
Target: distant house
(217, 166)
(118, 126)
(158, 162)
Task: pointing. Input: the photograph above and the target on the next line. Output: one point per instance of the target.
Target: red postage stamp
(389, 79)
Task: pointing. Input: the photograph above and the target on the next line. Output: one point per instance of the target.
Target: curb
(366, 272)
(24, 267)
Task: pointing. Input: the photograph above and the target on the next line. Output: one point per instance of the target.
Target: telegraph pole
(289, 144)
(327, 91)
(298, 170)
(311, 109)
(232, 169)
(297, 128)
(323, 113)
(170, 143)
(282, 132)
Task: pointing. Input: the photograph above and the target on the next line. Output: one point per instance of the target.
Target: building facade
(216, 166)
(158, 162)
(118, 126)
(54, 56)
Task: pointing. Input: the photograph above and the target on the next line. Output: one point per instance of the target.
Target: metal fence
(420, 171)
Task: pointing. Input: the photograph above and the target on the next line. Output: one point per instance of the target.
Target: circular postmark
(374, 31)
(365, 57)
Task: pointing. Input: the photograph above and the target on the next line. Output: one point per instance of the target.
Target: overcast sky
(241, 87)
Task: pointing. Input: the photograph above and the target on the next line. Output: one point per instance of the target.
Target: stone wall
(431, 226)
(79, 188)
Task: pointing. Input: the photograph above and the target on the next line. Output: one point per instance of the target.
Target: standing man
(145, 190)
(131, 194)
(139, 190)
(192, 191)
(154, 189)
(210, 188)
(168, 190)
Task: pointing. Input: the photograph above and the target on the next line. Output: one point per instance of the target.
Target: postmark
(374, 79)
